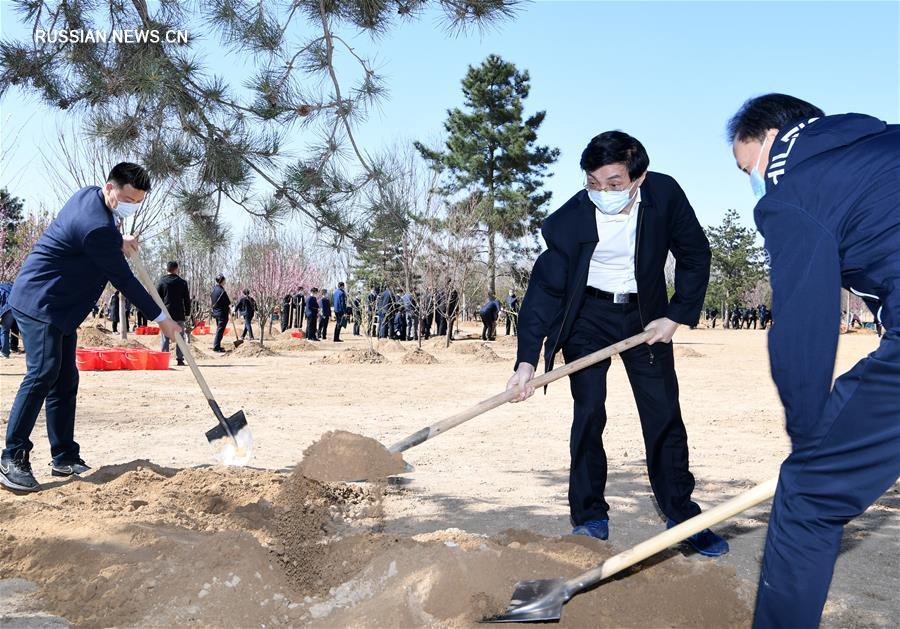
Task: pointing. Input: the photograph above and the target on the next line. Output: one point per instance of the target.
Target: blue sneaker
(593, 528)
(705, 542)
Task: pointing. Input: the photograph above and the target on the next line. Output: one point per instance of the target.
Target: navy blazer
(65, 273)
(312, 306)
(666, 222)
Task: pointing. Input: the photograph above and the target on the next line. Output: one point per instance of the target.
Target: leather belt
(616, 298)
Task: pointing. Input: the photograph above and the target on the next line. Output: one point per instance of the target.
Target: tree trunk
(492, 260)
(123, 321)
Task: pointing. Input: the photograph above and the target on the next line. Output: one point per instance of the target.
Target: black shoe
(70, 467)
(15, 472)
(218, 350)
(180, 363)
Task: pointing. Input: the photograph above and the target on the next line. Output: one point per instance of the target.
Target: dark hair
(771, 111)
(246, 291)
(171, 266)
(220, 278)
(314, 290)
(126, 173)
(615, 147)
(340, 285)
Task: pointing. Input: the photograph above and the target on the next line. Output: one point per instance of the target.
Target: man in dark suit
(286, 312)
(58, 284)
(312, 314)
(299, 307)
(220, 302)
(176, 296)
(385, 312)
(601, 280)
(324, 314)
(489, 314)
(246, 307)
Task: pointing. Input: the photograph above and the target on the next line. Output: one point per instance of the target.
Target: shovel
(231, 437)
(237, 341)
(542, 600)
(502, 398)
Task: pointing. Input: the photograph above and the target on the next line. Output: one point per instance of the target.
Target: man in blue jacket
(829, 209)
(312, 315)
(602, 279)
(59, 283)
(340, 311)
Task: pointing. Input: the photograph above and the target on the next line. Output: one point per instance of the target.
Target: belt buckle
(620, 298)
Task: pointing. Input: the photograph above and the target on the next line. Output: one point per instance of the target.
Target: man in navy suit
(340, 311)
(602, 279)
(59, 283)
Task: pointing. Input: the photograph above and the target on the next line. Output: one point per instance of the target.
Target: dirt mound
(481, 352)
(682, 351)
(418, 357)
(344, 456)
(98, 337)
(390, 345)
(353, 356)
(286, 343)
(438, 343)
(138, 544)
(253, 349)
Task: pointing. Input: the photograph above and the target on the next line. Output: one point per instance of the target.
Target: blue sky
(669, 73)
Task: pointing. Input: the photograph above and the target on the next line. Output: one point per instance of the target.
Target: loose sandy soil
(157, 536)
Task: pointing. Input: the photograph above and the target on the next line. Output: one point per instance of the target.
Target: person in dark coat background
(324, 314)
(286, 312)
(220, 303)
(299, 307)
(312, 314)
(246, 307)
(385, 307)
(62, 278)
(489, 314)
(340, 311)
(112, 311)
(829, 210)
(6, 319)
(512, 313)
(601, 280)
(176, 296)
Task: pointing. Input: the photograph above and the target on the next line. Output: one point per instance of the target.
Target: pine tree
(737, 263)
(154, 100)
(491, 151)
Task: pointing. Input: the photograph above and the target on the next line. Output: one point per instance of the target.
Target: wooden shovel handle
(672, 536)
(502, 398)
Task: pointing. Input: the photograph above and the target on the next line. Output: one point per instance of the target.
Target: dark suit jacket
(666, 222)
(220, 302)
(312, 306)
(80, 252)
(176, 296)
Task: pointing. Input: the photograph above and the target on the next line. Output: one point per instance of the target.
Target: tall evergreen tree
(737, 262)
(491, 151)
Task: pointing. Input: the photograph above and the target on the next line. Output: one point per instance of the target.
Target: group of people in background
(740, 317)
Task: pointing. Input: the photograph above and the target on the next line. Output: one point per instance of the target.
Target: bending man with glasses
(600, 281)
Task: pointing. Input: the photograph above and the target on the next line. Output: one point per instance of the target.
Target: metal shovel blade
(235, 423)
(541, 600)
(237, 449)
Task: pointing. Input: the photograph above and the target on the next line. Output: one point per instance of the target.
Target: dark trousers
(356, 325)
(115, 325)
(141, 319)
(838, 467)
(164, 343)
(338, 324)
(412, 327)
(441, 324)
(311, 329)
(512, 323)
(51, 380)
(323, 327)
(651, 372)
(285, 318)
(488, 332)
(221, 324)
(384, 325)
(426, 326)
(248, 327)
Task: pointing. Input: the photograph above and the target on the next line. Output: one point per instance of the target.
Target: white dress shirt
(612, 263)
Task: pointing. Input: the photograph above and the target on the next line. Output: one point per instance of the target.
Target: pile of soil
(138, 544)
(95, 336)
(353, 356)
(344, 456)
(390, 345)
(253, 349)
(289, 344)
(681, 351)
(418, 357)
(481, 352)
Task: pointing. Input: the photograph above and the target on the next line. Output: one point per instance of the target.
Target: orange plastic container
(158, 360)
(86, 359)
(136, 359)
(110, 359)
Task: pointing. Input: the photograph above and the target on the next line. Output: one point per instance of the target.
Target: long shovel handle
(681, 532)
(502, 398)
(142, 274)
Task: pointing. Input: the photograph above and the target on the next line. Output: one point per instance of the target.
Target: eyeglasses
(611, 187)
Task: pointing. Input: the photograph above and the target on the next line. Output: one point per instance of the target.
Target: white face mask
(610, 201)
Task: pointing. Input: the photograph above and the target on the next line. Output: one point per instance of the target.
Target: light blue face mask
(124, 210)
(610, 201)
(756, 179)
